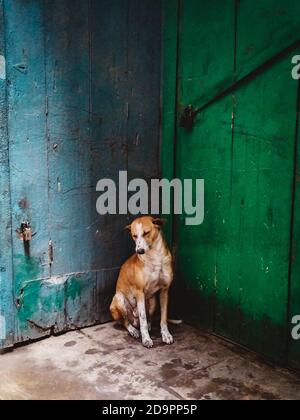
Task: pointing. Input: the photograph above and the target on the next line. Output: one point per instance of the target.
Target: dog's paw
(167, 338)
(133, 332)
(147, 342)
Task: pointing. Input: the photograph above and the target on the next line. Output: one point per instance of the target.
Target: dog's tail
(175, 321)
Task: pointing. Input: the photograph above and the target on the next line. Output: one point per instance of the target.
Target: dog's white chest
(153, 276)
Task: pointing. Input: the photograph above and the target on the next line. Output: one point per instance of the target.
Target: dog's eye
(134, 236)
(146, 233)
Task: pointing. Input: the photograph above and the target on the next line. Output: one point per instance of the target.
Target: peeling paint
(2, 328)
(57, 280)
(21, 67)
(58, 185)
(2, 67)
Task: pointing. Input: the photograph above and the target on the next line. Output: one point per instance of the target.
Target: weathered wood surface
(6, 272)
(83, 86)
(294, 287)
(239, 271)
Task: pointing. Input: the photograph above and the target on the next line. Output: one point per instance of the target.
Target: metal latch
(25, 232)
(187, 119)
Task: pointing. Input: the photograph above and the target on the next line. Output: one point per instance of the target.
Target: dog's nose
(141, 251)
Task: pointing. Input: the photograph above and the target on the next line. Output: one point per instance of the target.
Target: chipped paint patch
(2, 68)
(2, 328)
(57, 280)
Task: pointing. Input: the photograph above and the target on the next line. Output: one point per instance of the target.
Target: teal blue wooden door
(75, 75)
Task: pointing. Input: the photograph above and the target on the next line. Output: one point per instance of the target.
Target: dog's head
(144, 231)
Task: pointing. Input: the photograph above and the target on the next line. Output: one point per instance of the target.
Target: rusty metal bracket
(187, 119)
(25, 232)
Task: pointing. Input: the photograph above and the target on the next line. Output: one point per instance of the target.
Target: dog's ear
(158, 221)
(128, 227)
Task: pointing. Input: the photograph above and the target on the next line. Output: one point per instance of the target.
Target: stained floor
(103, 362)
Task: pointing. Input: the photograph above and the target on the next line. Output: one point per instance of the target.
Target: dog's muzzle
(140, 251)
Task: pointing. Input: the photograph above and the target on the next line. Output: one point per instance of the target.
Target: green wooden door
(235, 270)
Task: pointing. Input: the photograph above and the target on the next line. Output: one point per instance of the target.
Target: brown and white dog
(146, 272)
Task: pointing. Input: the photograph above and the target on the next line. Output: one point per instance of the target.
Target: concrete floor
(103, 362)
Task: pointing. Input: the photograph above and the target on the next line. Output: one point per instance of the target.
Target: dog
(145, 273)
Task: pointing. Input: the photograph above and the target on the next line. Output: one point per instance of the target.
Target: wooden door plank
(294, 298)
(144, 76)
(68, 129)
(169, 96)
(109, 149)
(7, 309)
(28, 151)
(204, 154)
(206, 34)
(263, 157)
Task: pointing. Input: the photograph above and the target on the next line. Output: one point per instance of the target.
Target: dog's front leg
(165, 333)
(141, 304)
